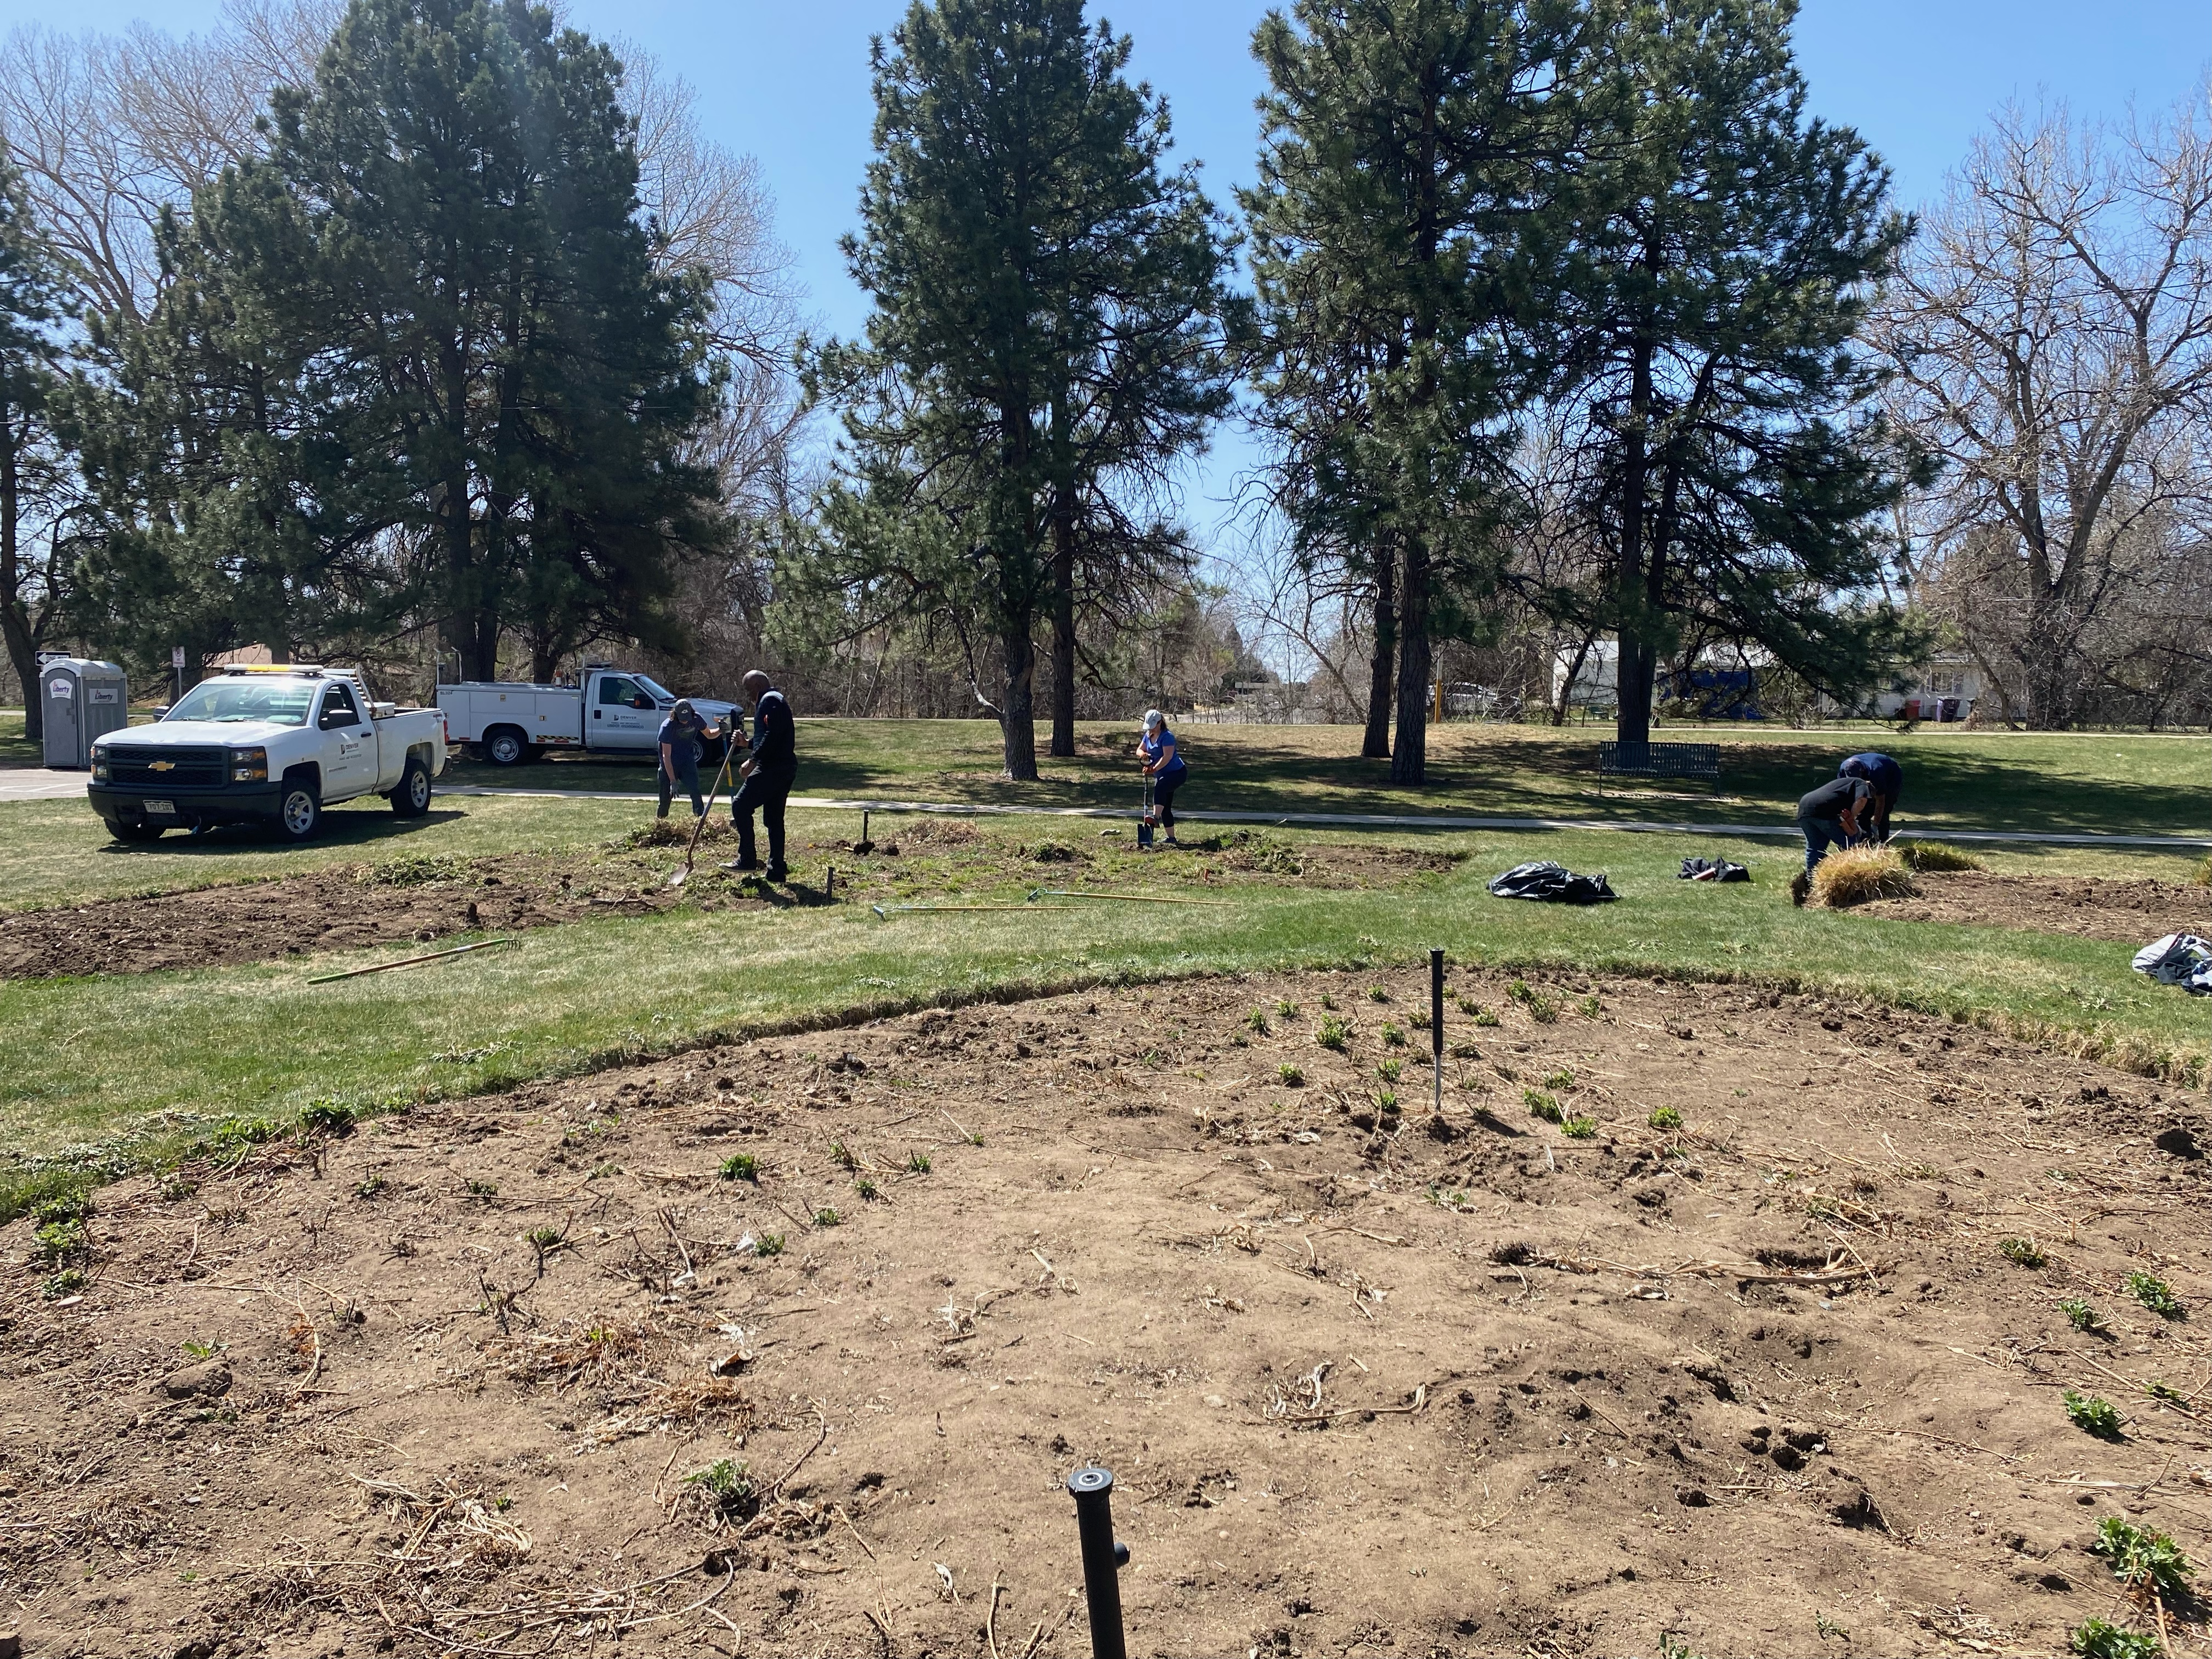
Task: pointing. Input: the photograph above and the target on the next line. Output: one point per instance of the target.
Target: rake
(1036, 893)
(889, 910)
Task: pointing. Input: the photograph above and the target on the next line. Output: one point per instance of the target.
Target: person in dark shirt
(1831, 815)
(1888, 778)
(679, 757)
(769, 774)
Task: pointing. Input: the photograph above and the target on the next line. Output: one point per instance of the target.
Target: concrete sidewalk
(1401, 821)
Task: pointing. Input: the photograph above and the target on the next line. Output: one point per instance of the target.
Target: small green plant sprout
(1664, 1118)
(68, 1282)
(545, 1241)
(601, 1172)
(1580, 1128)
(1562, 1078)
(1392, 1037)
(1541, 1007)
(1542, 1105)
(1386, 1102)
(1672, 1646)
(2094, 1639)
(1591, 1007)
(1256, 1022)
(1377, 993)
(1482, 1016)
(2155, 1294)
(2142, 1559)
(476, 1188)
(2093, 1415)
(768, 1244)
(203, 1350)
(326, 1118)
(235, 1134)
(2166, 1392)
(740, 1166)
(1327, 1001)
(843, 1157)
(1419, 1019)
(503, 1502)
(180, 1188)
(1828, 1628)
(1286, 1008)
(1388, 1070)
(867, 1188)
(1289, 1075)
(68, 1207)
(369, 1186)
(917, 1162)
(59, 1242)
(826, 1216)
(2080, 1315)
(1333, 1034)
(727, 1486)
(2023, 1253)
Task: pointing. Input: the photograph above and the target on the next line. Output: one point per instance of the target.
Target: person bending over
(1831, 815)
(1888, 778)
(768, 773)
(1164, 765)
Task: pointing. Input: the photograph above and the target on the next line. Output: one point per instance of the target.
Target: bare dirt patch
(2086, 906)
(428, 898)
(513, 1376)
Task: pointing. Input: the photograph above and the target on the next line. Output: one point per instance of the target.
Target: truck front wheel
(412, 800)
(299, 808)
(505, 745)
(123, 830)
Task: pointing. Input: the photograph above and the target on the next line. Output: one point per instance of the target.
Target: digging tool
(1036, 893)
(1144, 819)
(889, 910)
(729, 748)
(410, 961)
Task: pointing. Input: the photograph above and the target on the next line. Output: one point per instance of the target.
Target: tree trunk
(1017, 704)
(15, 615)
(2046, 659)
(1409, 756)
(1063, 623)
(1574, 673)
(1382, 675)
(1632, 672)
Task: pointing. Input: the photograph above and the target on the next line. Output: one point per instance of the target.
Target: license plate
(164, 808)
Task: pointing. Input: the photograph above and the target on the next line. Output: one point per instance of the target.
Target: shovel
(692, 851)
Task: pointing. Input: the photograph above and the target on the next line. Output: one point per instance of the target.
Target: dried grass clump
(2203, 874)
(1925, 856)
(1859, 874)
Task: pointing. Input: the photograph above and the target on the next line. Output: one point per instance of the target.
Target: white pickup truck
(614, 711)
(265, 745)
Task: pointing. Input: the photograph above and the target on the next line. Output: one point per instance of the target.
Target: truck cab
(609, 710)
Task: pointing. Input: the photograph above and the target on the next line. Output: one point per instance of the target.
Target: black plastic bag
(1552, 884)
(1713, 870)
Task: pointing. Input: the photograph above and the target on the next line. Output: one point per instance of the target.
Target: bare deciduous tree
(2053, 333)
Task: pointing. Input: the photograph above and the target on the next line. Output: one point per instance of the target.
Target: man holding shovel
(768, 773)
(679, 757)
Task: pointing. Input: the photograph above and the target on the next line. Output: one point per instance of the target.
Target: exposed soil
(426, 899)
(2088, 906)
(1369, 1382)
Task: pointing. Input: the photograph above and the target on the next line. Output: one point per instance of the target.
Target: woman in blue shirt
(1164, 765)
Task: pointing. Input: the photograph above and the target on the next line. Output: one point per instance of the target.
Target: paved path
(35, 783)
(1395, 821)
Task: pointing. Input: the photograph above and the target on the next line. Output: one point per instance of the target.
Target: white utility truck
(613, 711)
(268, 745)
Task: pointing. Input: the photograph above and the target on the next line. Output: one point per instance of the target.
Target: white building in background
(1947, 688)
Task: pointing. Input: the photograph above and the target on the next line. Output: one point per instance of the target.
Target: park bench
(1667, 761)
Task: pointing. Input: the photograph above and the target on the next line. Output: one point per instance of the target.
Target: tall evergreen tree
(1721, 252)
(1046, 297)
(1407, 143)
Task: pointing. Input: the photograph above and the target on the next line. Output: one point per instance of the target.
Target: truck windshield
(658, 693)
(235, 698)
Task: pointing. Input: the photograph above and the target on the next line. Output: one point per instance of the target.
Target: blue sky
(787, 82)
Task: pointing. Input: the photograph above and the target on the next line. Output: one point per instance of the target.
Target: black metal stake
(829, 887)
(1437, 1020)
(1102, 1558)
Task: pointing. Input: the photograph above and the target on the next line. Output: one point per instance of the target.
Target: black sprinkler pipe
(1102, 1558)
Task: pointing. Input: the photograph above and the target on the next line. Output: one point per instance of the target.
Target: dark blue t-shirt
(1884, 774)
(682, 738)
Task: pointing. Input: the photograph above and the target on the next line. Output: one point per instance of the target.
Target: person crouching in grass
(1833, 816)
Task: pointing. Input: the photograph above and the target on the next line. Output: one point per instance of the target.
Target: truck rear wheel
(412, 800)
(506, 745)
(299, 808)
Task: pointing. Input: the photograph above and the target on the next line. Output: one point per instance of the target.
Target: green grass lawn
(147, 1056)
(2145, 783)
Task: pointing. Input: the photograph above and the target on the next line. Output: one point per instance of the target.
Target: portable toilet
(82, 700)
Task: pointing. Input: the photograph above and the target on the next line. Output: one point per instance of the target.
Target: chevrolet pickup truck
(265, 745)
(613, 711)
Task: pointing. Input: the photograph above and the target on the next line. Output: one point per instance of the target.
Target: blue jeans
(1821, 834)
(687, 779)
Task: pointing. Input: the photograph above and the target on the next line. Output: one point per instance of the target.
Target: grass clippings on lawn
(498, 1373)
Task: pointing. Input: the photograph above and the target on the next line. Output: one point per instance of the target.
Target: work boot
(777, 873)
(1801, 888)
(662, 814)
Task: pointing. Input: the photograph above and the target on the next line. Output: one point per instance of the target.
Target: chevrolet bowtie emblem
(162, 766)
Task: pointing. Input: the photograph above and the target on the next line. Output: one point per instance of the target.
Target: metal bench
(1700, 762)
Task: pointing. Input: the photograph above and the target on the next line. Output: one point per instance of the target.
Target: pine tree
(1046, 299)
(1722, 250)
(1407, 143)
